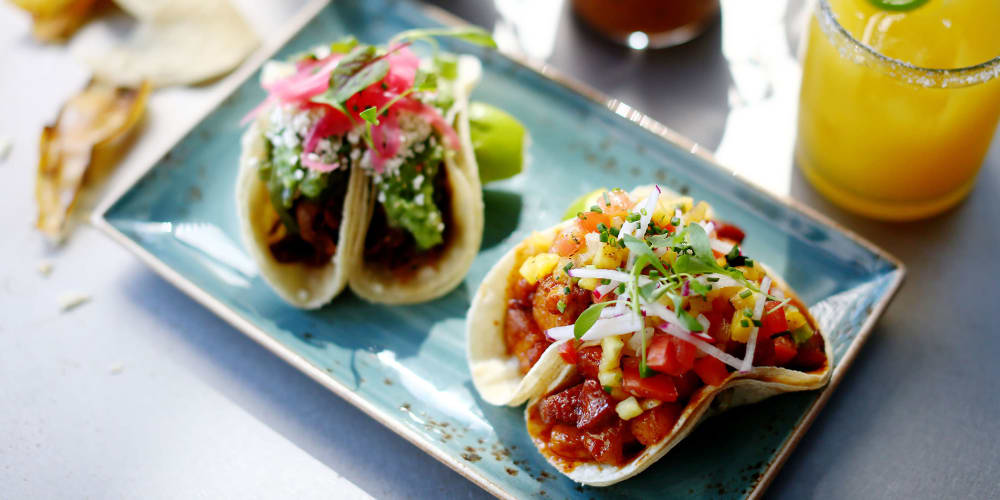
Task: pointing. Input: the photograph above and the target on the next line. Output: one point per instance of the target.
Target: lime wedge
(898, 5)
(582, 203)
(497, 140)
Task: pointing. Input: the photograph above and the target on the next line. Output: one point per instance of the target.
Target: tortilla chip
(177, 42)
(81, 147)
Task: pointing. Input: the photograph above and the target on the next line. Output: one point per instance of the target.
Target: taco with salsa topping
(357, 168)
(630, 323)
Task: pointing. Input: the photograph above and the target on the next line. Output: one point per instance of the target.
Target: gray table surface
(143, 393)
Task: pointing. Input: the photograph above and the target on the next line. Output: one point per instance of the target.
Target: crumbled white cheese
(381, 196)
(419, 199)
(70, 300)
(45, 268)
(299, 173)
(418, 181)
(5, 146)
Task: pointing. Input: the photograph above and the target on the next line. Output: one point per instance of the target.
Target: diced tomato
(588, 221)
(773, 320)
(659, 387)
(567, 243)
(670, 355)
(763, 353)
(620, 202)
(654, 425)
(784, 350)
(595, 408)
(607, 445)
(723, 306)
(565, 440)
(686, 385)
(811, 355)
(568, 352)
(521, 292)
(727, 231)
(711, 370)
(588, 361)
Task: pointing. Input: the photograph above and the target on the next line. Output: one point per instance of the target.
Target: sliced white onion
(709, 227)
(705, 347)
(635, 341)
(661, 311)
(603, 290)
(758, 310)
(649, 206)
(721, 246)
(604, 274)
(617, 310)
(765, 286)
(626, 323)
(627, 228)
(722, 281)
(703, 321)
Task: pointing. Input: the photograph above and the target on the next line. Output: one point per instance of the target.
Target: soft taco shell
(739, 389)
(494, 371)
(376, 283)
(301, 285)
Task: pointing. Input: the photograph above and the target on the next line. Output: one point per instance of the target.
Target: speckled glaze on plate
(405, 366)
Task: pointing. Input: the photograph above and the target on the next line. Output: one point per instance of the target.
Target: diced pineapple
(726, 293)
(699, 305)
(588, 283)
(609, 257)
(794, 317)
(755, 273)
(540, 242)
(628, 409)
(744, 299)
(669, 257)
(609, 371)
(559, 271)
(611, 352)
(537, 266)
(684, 203)
(610, 379)
(649, 403)
(699, 213)
(618, 394)
(741, 326)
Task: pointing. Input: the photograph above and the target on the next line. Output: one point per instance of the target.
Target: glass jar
(887, 137)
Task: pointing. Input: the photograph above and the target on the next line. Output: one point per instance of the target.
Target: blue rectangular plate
(405, 366)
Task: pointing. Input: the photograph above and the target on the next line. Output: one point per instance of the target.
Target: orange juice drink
(899, 102)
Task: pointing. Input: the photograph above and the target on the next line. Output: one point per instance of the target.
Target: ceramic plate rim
(288, 31)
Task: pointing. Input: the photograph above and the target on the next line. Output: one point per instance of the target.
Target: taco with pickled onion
(628, 325)
(357, 169)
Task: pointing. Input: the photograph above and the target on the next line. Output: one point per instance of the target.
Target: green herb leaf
(698, 239)
(471, 34)
(691, 265)
(698, 287)
(641, 249)
(370, 115)
(354, 73)
(587, 318)
(687, 321)
(344, 45)
(424, 81)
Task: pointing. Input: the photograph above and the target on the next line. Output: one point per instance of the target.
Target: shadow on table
(324, 426)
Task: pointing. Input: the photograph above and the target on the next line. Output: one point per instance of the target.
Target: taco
(358, 169)
(628, 325)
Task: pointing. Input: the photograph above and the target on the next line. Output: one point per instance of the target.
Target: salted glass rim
(862, 53)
